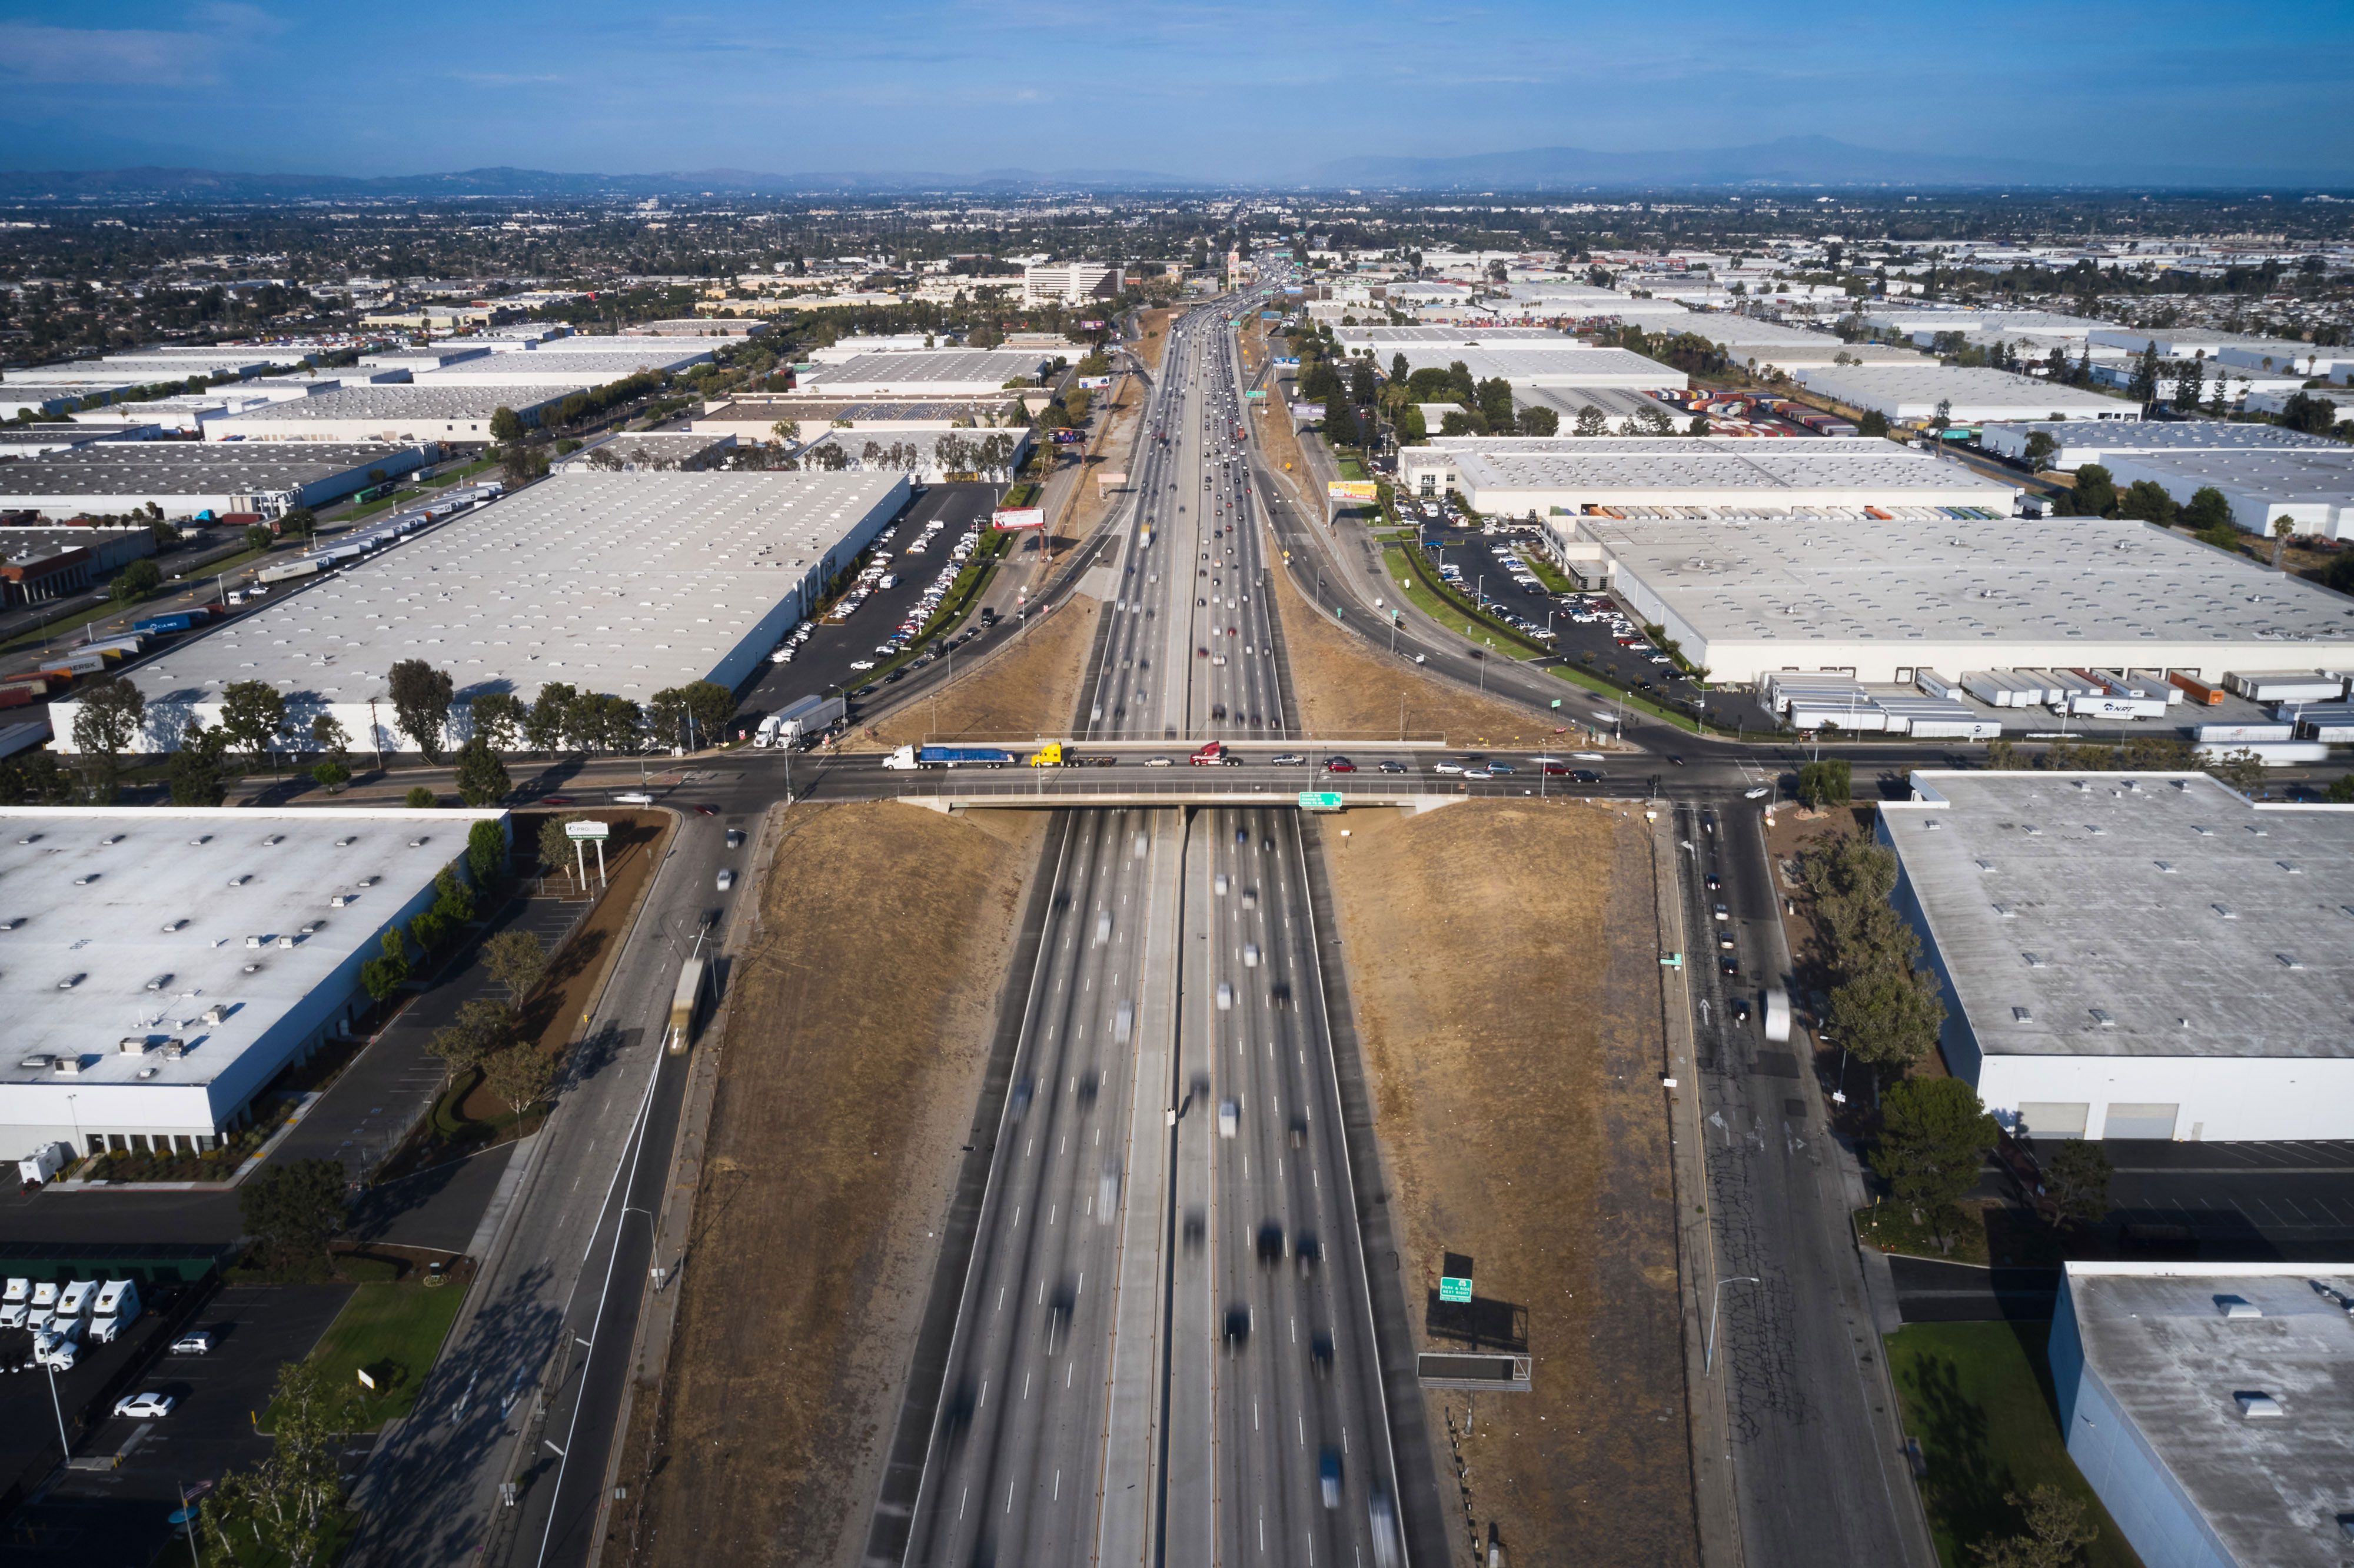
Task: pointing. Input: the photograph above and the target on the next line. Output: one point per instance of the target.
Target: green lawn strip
(393, 1332)
(970, 581)
(1350, 468)
(1977, 1396)
(1601, 687)
(1545, 572)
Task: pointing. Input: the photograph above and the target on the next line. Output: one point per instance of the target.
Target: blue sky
(1246, 92)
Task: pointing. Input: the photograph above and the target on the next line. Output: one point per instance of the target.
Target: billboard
(1095, 383)
(1353, 492)
(1306, 413)
(1021, 517)
(1069, 438)
(1092, 326)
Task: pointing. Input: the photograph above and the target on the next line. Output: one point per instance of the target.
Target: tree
(2242, 770)
(299, 523)
(2208, 515)
(1872, 423)
(2188, 384)
(483, 1027)
(328, 735)
(261, 536)
(107, 716)
(135, 582)
(1944, 416)
(506, 424)
(421, 797)
(428, 928)
(253, 713)
(1398, 370)
(554, 844)
(1411, 426)
(1495, 403)
(2077, 1177)
(550, 711)
(1592, 421)
(453, 900)
(517, 961)
(2342, 790)
(35, 779)
(1340, 424)
(2144, 386)
(2040, 448)
(498, 719)
(1887, 1017)
(2147, 500)
(388, 970)
(2056, 1535)
(481, 778)
(194, 771)
(287, 1509)
(2096, 493)
(331, 776)
(291, 1210)
(486, 854)
(421, 704)
(2283, 528)
(521, 1076)
(1829, 782)
(1934, 1135)
(1537, 422)
(1698, 425)
(2305, 412)
(519, 465)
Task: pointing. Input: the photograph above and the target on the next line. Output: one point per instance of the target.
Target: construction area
(833, 1156)
(1516, 1097)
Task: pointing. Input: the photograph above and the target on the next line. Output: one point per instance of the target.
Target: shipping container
(2197, 690)
(2238, 733)
(2286, 687)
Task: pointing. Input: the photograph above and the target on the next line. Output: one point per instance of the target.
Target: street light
(1708, 1361)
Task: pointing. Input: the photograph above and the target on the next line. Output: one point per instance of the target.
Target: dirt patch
(842, 1098)
(1027, 689)
(1346, 688)
(1155, 341)
(1516, 1095)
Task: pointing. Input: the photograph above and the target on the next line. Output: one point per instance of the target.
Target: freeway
(1164, 1348)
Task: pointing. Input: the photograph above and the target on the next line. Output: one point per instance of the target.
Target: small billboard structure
(1007, 521)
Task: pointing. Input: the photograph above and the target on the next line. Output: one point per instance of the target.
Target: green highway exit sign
(1452, 1289)
(1320, 799)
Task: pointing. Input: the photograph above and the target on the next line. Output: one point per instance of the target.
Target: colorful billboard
(1021, 517)
(1095, 383)
(1353, 492)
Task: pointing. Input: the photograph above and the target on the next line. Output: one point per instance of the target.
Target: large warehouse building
(2211, 1407)
(550, 368)
(2134, 955)
(2076, 442)
(1750, 597)
(160, 965)
(946, 373)
(390, 413)
(2310, 489)
(625, 583)
(1914, 394)
(1513, 476)
(112, 479)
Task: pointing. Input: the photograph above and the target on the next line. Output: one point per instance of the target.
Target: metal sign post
(582, 834)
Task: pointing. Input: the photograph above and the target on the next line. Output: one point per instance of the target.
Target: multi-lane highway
(1163, 1350)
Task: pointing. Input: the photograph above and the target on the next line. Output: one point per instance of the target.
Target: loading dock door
(2130, 1121)
(2053, 1118)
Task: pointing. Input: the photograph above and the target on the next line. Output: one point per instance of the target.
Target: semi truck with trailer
(912, 757)
(797, 723)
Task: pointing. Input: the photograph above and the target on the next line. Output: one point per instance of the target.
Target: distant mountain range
(1790, 161)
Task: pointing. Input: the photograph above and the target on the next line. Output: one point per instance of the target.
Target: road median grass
(1979, 1398)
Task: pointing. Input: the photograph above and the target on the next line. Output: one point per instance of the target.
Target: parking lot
(119, 1517)
(824, 659)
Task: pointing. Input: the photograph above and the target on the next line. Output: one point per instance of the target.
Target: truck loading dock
(2134, 955)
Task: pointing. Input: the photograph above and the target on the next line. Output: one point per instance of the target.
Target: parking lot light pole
(57, 1406)
(1708, 1362)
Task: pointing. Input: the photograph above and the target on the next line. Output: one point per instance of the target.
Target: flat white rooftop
(2272, 1490)
(190, 467)
(1817, 593)
(1395, 338)
(579, 369)
(621, 583)
(2086, 914)
(1914, 392)
(661, 344)
(947, 372)
(2320, 474)
(133, 922)
(2079, 442)
(394, 402)
(1707, 470)
(1565, 364)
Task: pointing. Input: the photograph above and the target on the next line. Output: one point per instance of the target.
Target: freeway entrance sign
(1320, 799)
(1453, 1289)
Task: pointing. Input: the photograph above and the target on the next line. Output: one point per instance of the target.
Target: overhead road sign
(1323, 800)
(1500, 1374)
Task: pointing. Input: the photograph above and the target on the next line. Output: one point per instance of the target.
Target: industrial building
(1916, 393)
(38, 565)
(946, 373)
(549, 365)
(1516, 475)
(2134, 955)
(916, 453)
(1382, 342)
(1071, 282)
(1532, 364)
(625, 583)
(2076, 443)
(390, 413)
(43, 400)
(1766, 347)
(160, 965)
(1881, 601)
(651, 451)
(2211, 1407)
(186, 478)
(2311, 489)
(2226, 348)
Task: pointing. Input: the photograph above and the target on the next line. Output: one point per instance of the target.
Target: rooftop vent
(2258, 1406)
(216, 1014)
(172, 926)
(2022, 1015)
(2237, 1306)
(2224, 910)
(133, 1045)
(2289, 960)
(2103, 1018)
(39, 1063)
(14, 921)
(68, 1066)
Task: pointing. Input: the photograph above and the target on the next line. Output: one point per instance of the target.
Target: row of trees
(1884, 1011)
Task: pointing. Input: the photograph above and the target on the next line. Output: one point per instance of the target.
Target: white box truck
(15, 1302)
(43, 1164)
(117, 1309)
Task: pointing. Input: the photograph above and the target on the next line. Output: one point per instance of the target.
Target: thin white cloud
(116, 55)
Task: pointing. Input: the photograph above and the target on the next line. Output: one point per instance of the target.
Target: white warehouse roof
(398, 411)
(128, 923)
(1516, 474)
(1750, 597)
(526, 368)
(946, 372)
(2079, 441)
(619, 583)
(1538, 364)
(182, 478)
(2312, 487)
(1976, 394)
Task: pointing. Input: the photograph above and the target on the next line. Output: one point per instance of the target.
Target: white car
(781, 656)
(1228, 1112)
(144, 1406)
(1158, 762)
(195, 1343)
(1445, 766)
(727, 879)
(862, 664)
